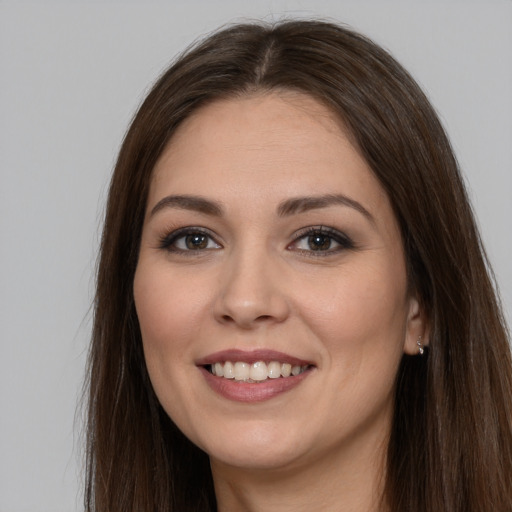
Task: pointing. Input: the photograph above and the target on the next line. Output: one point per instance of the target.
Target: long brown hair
(451, 442)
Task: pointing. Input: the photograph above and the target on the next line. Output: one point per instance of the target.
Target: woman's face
(269, 247)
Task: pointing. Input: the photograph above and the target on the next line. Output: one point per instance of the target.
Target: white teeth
(258, 371)
(286, 369)
(219, 370)
(229, 370)
(241, 371)
(255, 372)
(274, 370)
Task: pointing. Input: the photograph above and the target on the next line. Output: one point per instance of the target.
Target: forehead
(263, 114)
(267, 145)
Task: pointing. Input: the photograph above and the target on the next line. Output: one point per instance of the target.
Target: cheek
(167, 308)
(169, 311)
(360, 312)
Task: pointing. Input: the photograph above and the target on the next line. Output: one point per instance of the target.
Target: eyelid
(343, 241)
(167, 240)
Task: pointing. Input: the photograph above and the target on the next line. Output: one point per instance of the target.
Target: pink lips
(247, 391)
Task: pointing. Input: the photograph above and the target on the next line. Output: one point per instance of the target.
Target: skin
(258, 284)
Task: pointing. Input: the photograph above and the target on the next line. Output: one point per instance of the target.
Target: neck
(345, 480)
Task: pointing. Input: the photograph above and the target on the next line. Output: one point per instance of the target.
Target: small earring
(421, 350)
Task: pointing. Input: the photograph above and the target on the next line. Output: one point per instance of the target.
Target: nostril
(247, 321)
(247, 312)
(263, 317)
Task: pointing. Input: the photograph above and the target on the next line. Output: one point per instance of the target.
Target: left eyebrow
(186, 202)
(306, 203)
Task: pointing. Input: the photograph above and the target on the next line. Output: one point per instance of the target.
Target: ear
(416, 328)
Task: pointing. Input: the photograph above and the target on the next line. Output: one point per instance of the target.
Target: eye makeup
(321, 241)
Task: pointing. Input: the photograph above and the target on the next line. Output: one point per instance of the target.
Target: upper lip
(252, 356)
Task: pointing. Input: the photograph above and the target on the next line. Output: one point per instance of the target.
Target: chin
(270, 460)
(256, 449)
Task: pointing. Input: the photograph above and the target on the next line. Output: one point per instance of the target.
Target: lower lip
(241, 391)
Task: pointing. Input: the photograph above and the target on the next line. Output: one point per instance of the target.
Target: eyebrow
(194, 203)
(286, 208)
(304, 204)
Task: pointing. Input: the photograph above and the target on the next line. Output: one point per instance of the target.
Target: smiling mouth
(257, 372)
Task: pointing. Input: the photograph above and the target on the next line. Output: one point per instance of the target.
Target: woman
(294, 309)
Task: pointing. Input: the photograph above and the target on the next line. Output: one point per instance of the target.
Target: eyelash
(343, 241)
(168, 241)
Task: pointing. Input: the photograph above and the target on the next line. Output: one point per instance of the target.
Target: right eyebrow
(304, 204)
(186, 202)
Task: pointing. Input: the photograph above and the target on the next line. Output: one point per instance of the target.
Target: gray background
(72, 74)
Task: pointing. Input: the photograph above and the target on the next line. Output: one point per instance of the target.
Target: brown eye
(319, 242)
(196, 241)
(189, 240)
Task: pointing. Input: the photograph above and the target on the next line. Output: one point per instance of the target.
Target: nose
(251, 292)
